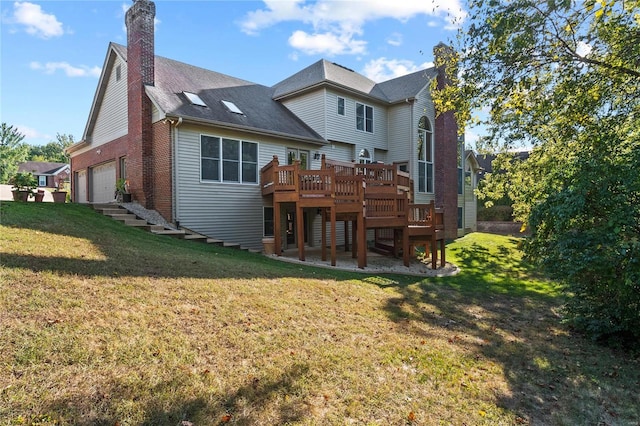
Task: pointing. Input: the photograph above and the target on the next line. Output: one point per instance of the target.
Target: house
(49, 175)
(192, 142)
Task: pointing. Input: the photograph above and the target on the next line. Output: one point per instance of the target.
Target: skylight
(194, 99)
(232, 107)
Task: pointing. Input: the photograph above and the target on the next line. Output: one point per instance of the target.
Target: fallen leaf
(411, 417)
(226, 418)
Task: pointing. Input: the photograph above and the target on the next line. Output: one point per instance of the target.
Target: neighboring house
(49, 175)
(191, 142)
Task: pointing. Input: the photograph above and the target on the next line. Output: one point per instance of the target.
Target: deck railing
(426, 215)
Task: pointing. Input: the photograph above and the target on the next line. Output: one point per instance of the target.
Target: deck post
(333, 235)
(324, 235)
(300, 230)
(277, 237)
(354, 239)
(362, 241)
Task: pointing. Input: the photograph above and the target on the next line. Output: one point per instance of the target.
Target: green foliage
(564, 77)
(12, 151)
(54, 151)
(23, 182)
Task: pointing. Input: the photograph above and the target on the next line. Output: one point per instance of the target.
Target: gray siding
(422, 106)
(343, 129)
(400, 133)
(111, 122)
(309, 108)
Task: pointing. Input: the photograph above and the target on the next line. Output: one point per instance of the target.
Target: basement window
(232, 107)
(194, 99)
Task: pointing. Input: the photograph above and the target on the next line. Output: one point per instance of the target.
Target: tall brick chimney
(446, 150)
(140, 72)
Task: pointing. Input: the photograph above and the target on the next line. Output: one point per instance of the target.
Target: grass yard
(101, 324)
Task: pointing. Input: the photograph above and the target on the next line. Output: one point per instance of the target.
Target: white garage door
(103, 183)
(81, 187)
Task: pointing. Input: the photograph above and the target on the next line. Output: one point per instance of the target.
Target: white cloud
(31, 133)
(395, 39)
(36, 21)
(69, 70)
(327, 43)
(583, 49)
(383, 69)
(342, 21)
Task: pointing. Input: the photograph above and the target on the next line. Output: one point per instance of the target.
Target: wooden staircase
(119, 213)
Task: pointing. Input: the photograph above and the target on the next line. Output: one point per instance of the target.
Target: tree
(564, 77)
(12, 151)
(54, 151)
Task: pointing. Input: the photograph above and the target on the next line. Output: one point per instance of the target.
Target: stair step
(195, 237)
(136, 222)
(170, 232)
(151, 228)
(215, 242)
(99, 206)
(112, 211)
(123, 216)
(231, 245)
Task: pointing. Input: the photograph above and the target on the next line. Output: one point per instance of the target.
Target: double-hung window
(364, 117)
(425, 155)
(228, 160)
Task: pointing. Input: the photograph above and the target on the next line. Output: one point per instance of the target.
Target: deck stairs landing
(129, 218)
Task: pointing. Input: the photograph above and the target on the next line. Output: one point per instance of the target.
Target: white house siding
(111, 122)
(309, 108)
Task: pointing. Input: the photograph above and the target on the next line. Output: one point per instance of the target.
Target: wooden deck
(370, 196)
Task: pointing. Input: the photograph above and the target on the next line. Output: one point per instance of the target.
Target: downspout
(411, 146)
(174, 179)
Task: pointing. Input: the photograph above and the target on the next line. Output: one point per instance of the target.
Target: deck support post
(362, 241)
(333, 235)
(277, 236)
(405, 246)
(354, 239)
(300, 231)
(324, 235)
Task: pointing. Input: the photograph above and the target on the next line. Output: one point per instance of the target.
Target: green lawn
(104, 324)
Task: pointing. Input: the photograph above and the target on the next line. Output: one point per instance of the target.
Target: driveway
(6, 195)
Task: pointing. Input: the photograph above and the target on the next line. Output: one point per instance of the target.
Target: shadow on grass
(249, 404)
(498, 309)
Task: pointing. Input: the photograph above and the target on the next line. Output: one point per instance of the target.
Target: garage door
(81, 187)
(103, 183)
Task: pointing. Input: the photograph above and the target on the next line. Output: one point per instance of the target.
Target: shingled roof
(260, 113)
(41, 167)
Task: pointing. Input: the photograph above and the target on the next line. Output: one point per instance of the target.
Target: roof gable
(42, 167)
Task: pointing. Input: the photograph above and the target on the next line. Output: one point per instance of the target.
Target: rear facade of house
(191, 142)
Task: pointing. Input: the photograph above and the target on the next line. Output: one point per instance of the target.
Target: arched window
(425, 155)
(364, 157)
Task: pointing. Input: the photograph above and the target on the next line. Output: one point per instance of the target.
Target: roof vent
(232, 107)
(194, 99)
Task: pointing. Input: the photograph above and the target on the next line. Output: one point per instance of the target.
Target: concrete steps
(119, 213)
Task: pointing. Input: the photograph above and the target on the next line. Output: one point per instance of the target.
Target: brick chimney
(140, 72)
(446, 150)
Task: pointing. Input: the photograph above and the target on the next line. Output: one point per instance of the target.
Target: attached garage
(81, 187)
(103, 182)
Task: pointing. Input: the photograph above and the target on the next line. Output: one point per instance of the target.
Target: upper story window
(228, 160)
(425, 155)
(118, 72)
(364, 117)
(341, 110)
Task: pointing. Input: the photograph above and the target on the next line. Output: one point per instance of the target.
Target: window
(425, 155)
(123, 167)
(340, 106)
(228, 160)
(118, 72)
(232, 107)
(268, 221)
(294, 154)
(42, 181)
(364, 117)
(460, 218)
(194, 99)
(364, 157)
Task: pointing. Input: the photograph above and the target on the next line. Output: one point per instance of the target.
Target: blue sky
(52, 51)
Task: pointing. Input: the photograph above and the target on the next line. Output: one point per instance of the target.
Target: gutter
(252, 130)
